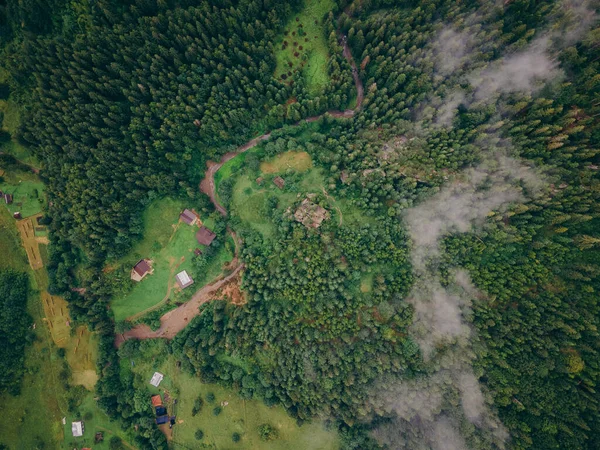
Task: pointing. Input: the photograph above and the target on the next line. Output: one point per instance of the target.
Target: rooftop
(156, 379)
(184, 280)
(142, 268)
(77, 428)
(205, 236)
(188, 217)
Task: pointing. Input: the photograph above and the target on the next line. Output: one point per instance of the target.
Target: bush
(210, 397)
(199, 434)
(198, 404)
(236, 437)
(61, 352)
(217, 411)
(267, 432)
(115, 443)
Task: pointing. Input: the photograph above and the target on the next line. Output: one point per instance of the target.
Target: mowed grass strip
(303, 47)
(237, 415)
(298, 161)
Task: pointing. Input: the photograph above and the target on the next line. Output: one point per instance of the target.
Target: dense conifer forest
(452, 304)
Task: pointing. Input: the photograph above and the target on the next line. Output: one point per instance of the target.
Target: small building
(161, 411)
(77, 428)
(204, 236)
(140, 270)
(162, 420)
(184, 280)
(156, 379)
(279, 182)
(17, 215)
(310, 214)
(188, 217)
(8, 198)
(156, 400)
(197, 251)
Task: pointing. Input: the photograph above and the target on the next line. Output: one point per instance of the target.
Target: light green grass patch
(159, 286)
(249, 203)
(28, 197)
(95, 420)
(238, 415)
(312, 59)
(13, 255)
(298, 161)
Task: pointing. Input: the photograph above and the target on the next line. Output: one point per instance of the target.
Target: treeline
(15, 329)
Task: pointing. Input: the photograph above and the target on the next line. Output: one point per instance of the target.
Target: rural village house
(188, 217)
(205, 236)
(141, 269)
(279, 182)
(184, 280)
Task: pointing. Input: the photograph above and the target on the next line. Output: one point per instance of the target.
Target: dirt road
(176, 320)
(207, 185)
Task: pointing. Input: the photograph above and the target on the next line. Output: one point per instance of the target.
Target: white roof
(184, 279)
(156, 379)
(77, 428)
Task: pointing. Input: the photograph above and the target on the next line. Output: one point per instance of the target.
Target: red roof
(205, 236)
(142, 268)
(156, 400)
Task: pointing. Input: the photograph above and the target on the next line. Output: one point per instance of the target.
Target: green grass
(95, 420)
(171, 247)
(249, 202)
(239, 415)
(28, 196)
(20, 153)
(13, 255)
(313, 58)
(175, 256)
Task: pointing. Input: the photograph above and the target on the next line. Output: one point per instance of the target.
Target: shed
(204, 236)
(156, 400)
(161, 411)
(162, 419)
(17, 215)
(279, 182)
(184, 280)
(156, 379)
(140, 270)
(8, 198)
(77, 428)
(188, 217)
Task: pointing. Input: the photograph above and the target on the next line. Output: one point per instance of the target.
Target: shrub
(236, 437)
(198, 404)
(267, 432)
(217, 411)
(199, 434)
(210, 397)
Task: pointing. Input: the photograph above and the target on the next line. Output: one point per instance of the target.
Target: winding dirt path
(177, 319)
(207, 185)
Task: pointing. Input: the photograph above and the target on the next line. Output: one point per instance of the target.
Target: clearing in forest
(303, 47)
(298, 161)
(170, 245)
(236, 416)
(27, 196)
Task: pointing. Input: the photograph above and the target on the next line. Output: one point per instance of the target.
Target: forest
(449, 298)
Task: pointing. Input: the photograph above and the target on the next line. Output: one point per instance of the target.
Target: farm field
(170, 245)
(237, 415)
(303, 47)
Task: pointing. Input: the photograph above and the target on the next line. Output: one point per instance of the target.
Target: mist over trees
(472, 169)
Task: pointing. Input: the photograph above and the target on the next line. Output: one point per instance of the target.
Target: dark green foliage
(199, 435)
(14, 329)
(217, 410)
(198, 403)
(210, 397)
(115, 443)
(236, 437)
(267, 432)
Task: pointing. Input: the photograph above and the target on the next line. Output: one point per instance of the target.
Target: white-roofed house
(156, 379)
(184, 280)
(77, 428)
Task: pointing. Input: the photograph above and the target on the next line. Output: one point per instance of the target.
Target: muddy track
(207, 185)
(177, 319)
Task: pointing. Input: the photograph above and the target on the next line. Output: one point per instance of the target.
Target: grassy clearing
(303, 47)
(249, 202)
(298, 161)
(237, 416)
(170, 245)
(28, 197)
(13, 255)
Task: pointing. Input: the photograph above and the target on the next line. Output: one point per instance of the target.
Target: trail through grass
(303, 47)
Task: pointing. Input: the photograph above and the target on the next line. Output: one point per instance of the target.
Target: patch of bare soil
(232, 292)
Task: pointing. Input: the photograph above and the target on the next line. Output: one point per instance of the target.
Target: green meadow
(237, 415)
(303, 47)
